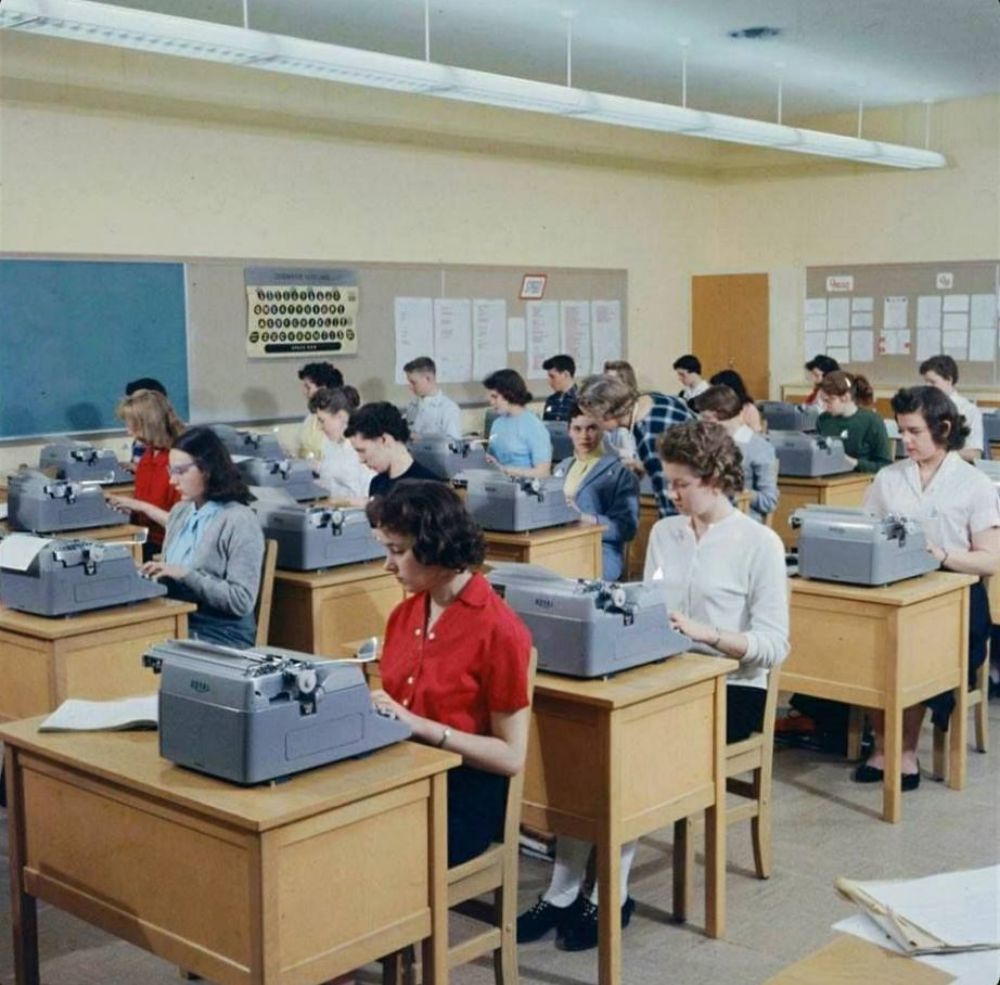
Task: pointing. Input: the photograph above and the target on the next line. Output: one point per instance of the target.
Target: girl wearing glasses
(214, 548)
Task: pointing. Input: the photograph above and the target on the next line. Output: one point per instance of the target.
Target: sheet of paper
(543, 335)
(929, 311)
(838, 313)
(77, 715)
(605, 332)
(928, 343)
(841, 355)
(815, 306)
(815, 344)
(862, 347)
(982, 345)
(414, 332)
(984, 311)
(862, 304)
(17, 551)
(489, 336)
(517, 334)
(837, 339)
(960, 907)
(896, 312)
(862, 319)
(816, 323)
(574, 333)
(955, 321)
(956, 302)
(453, 339)
(895, 342)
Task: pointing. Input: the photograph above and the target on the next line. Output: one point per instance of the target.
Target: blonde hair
(623, 370)
(150, 416)
(605, 397)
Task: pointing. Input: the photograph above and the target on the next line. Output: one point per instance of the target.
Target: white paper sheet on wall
(955, 321)
(815, 344)
(574, 333)
(862, 347)
(414, 332)
(816, 323)
(605, 332)
(862, 319)
(841, 355)
(896, 312)
(838, 314)
(815, 306)
(489, 336)
(453, 339)
(517, 335)
(929, 311)
(895, 342)
(984, 311)
(956, 302)
(928, 343)
(837, 340)
(543, 335)
(862, 304)
(982, 345)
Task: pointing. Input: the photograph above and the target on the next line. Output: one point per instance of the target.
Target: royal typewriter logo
(544, 603)
(202, 687)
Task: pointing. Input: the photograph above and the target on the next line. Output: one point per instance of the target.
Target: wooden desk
(573, 550)
(887, 648)
(830, 490)
(315, 611)
(649, 513)
(272, 885)
(121, 531)
(609, 761)
(95, 655)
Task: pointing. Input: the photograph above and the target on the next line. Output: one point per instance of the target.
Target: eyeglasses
(181, 469)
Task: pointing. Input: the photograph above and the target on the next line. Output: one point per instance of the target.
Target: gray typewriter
(847, 545)
(588, 628)
(250, 716)
(63, 577)
(80, 461)
(504, 503)
(990, 468)
(446, 457)
(43, 505)
(783, 416)
(808, 455)
(312, 537)
(991, 427)
(294, 475)
(251, 443)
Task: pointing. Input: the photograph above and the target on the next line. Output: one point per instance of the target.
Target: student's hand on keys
(157, 569)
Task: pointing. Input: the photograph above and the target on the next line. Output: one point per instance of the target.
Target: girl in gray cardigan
(213, 549)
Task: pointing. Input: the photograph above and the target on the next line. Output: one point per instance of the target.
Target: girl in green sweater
(846, 400)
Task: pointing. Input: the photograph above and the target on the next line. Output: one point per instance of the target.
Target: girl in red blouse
(455, 659)
(150, 419)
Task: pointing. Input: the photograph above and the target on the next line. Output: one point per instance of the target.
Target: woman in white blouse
(725, 586)
(959, 511)
(340, 469)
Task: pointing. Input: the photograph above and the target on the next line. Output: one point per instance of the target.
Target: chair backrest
(515, 788)
(262, 610)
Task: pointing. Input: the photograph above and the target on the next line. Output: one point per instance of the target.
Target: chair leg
(398, 968)
(855, 730)
(683, 867)
(982, 717)
(940, 753)
(505, 956)
(760, 826)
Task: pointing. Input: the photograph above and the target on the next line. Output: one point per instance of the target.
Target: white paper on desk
(956, 321)
(17, 551)
(896, 312)
(929, 311)
(862, 347)
(543, 335)
(837, 339)
(959, 907)
(815, 306)
(838, 313)
(76, 715)
(862, 319)
(982, 345)
(928, 343)
(414, 325)
(453, 339)
(489, 336)
(517, 335)
(956, 302)
(605, 332)
(984, 311)
(862, 304)
(815, 344)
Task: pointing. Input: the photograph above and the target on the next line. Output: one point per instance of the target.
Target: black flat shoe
(536, 922)
(868, 774)
(582, 935)
(910, 781)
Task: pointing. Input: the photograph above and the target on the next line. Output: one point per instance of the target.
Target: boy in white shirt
(340, 469)
(688, 370)
(941, 372)
(430, 411)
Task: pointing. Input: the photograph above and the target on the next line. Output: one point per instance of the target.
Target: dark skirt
(744, 711)
(476, 804)
(942, 705)
(211, 627)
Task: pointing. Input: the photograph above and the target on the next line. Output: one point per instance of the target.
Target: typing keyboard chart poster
(295, 311)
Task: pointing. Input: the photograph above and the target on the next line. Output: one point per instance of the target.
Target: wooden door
(730, 322)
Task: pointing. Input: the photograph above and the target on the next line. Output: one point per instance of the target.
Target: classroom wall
(781, 223)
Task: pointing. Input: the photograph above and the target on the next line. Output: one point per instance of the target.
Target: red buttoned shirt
(474, 660)
(152, 485)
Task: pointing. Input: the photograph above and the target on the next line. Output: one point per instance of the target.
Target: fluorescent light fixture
(99, 23)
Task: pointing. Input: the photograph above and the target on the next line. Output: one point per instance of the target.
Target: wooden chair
(495, 871)
(979, 703)
(262, 611)
(754, 755)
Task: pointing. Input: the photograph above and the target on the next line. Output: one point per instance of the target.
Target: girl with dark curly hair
(455, 659)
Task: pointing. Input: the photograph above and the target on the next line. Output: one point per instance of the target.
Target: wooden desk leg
(683, 868)
(24, 913)
(715, 827)
(609, 858)
(892, 790)
(435, 947)
(959, 724)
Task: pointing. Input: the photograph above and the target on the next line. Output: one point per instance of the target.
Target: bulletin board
(73, 333)
(883, 320)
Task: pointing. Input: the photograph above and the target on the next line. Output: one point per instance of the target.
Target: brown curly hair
(708, 451)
